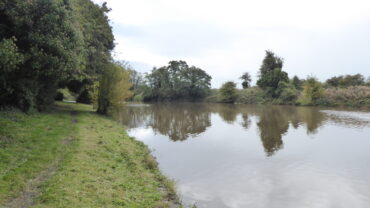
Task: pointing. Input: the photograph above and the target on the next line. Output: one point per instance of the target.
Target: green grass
(101, 167)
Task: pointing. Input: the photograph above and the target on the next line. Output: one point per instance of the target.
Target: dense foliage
(313, 91)
(346, 81)
(176, 81)
(40, 48)
(51, 44)
(275, 87)
(228, 92)
(113, 88)
(271, 74)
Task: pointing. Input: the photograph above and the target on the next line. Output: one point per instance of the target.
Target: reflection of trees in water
(228, 112)
(274, 121)
(179, 121)
(272, 124)
(246, 121)
(135, 116)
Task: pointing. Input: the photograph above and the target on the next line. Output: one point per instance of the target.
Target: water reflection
(181, 121)
(178, 122)
(258, 156)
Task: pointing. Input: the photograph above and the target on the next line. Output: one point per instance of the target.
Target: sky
(321, 38)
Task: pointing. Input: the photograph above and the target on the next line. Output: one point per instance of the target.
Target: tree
(228, 92)
(313, 91)
(176, 81)
(113, 88)
(334, 81)
(51, 44)
(271, 74)
(98, 41)
(42, 32)
(246, 77)
(346, 81)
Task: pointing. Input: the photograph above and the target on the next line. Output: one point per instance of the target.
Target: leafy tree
(271, 74)
(51, 44)
(177, 81)
(98, 41)
(42, 32)
(228, 92)
(113, 88)
(313, 91)
(246, 77)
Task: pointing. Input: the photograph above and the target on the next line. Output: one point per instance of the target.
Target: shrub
(313, 91)
(228, 92)
(287, 92)
(113, 88)
(253, 95)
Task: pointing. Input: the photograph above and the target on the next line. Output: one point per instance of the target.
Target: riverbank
(73, 157)
(353, 97)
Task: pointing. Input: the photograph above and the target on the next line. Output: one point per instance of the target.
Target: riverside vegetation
(62, 50)
(175, 82)
(65, 155)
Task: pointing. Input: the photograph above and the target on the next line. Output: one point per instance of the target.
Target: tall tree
(246, 77)
(271, 73)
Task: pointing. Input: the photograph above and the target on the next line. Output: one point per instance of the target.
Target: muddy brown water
(258, 156)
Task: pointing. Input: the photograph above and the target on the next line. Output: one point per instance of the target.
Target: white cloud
(228, 37)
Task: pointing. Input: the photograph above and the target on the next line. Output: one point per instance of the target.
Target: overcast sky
(322, 38)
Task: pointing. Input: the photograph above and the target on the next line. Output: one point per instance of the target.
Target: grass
(100, 167)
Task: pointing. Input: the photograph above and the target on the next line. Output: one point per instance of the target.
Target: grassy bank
(72, 157)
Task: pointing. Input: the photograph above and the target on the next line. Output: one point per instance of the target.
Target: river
(237, 156)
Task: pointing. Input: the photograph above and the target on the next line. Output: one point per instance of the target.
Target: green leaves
(177, 81)
(10, 58)
(45, 44)
(271, 74)
(228, 92)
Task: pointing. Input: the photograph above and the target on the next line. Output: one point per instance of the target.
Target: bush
(253, 95)
(287, 92)
(228, 92)
(313, 91)
(113, 88)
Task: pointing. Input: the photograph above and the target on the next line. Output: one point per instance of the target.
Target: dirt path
(32, 190)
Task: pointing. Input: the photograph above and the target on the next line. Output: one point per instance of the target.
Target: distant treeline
(46, 45)
(274, 86)
(178, 81)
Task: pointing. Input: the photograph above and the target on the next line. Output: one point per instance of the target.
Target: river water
(238, 156)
